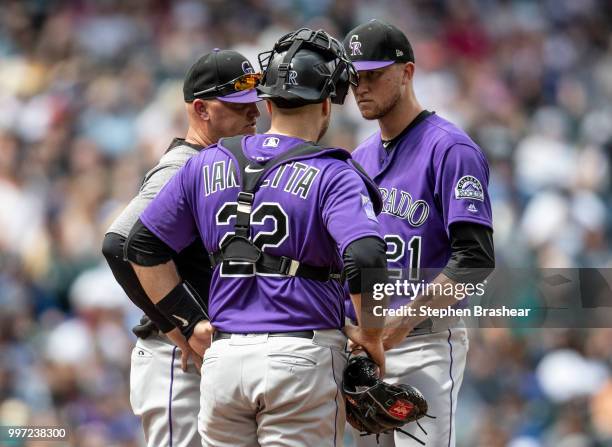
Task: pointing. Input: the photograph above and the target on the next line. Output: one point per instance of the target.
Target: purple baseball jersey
(308, 210)
(433, 176)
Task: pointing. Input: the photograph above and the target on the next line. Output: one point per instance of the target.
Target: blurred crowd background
(90, 96)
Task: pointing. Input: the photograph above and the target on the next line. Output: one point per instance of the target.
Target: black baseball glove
(374, 406)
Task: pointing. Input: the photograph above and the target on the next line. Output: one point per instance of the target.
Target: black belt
(424, 327)
(218, 335)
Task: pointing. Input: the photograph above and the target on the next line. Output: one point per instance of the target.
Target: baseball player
(278, 215)
(436, 214)
(220, 101)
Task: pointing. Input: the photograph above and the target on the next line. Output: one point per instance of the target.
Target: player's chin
(368, 111)
(369, 114)
(250, 129)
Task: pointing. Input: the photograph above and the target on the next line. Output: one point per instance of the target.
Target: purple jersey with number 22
(434, 176)
(308, 210)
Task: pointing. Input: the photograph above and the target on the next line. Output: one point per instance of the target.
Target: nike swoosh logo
(250, 169)
(182, 320)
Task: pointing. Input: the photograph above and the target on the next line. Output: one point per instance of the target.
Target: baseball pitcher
(436, 215)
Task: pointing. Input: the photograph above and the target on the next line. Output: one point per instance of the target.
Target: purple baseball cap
(221, 74)
(371, 65)
(377, 44)
(242, 97)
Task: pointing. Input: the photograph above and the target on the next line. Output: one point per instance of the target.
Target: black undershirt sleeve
(472, 253)
(112, 248)
(144, 248)
(193, 266)
(365, 264)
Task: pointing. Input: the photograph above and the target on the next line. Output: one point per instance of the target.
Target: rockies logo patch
(469, 187)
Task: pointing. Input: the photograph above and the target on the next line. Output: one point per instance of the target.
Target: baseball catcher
(374, 406)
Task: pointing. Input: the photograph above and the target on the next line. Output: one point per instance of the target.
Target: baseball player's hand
(370, 343)
(186, 352)
(201, 339)
(396, 330)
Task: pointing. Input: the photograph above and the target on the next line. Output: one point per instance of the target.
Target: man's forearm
(365, 307)
(367, 336)
(432, 301)
(173, 298)
(152, 261)
(365, 264)
(396, 328)
(158, 280)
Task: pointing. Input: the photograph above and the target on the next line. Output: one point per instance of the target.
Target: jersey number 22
(262, 239)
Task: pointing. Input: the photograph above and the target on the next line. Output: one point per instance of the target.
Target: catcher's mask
(305, 67)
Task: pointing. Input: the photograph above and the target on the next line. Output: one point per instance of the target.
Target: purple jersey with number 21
(308, 210)
(434, 175)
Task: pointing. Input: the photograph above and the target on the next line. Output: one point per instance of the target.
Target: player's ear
(269, 107)
(201, 108)
(409, 68)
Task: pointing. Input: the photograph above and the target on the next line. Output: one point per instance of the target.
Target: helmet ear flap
(341, 92)
(342, 86)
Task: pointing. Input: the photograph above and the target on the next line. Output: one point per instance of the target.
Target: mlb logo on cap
(271, 142)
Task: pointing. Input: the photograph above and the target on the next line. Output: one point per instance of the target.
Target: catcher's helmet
(305, 67)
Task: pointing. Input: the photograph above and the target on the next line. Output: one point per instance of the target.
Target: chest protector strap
(239, 247)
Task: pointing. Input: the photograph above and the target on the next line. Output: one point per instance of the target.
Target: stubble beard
(380, 110)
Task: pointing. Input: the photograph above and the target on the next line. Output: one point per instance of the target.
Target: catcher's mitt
(374, 406)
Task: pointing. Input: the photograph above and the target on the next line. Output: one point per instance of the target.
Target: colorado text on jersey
(404, 207)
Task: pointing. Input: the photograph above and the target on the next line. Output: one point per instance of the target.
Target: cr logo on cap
(355, 45)
(293, 77)
(246, 67)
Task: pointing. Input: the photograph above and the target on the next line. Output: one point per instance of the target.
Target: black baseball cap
(214, 76)
(376, 44)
